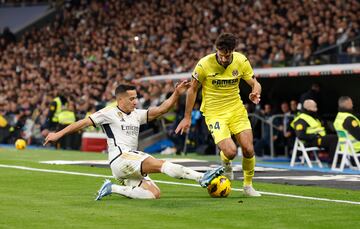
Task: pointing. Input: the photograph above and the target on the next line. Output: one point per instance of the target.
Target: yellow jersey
(220, 86)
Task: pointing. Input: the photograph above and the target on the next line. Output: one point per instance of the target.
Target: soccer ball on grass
(20, 144)
(219, 187)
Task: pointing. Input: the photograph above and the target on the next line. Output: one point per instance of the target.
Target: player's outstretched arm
(185, 123)
(254, 96)
(180, 88)
(76, 126)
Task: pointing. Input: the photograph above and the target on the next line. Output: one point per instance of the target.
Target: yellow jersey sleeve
(199, 72)
(246, 69)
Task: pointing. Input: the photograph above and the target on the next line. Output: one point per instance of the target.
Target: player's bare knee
(230, 151)
(248, 151)
(231, 156)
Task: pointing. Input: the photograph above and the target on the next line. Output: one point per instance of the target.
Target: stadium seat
(299, 146)
(345, 148)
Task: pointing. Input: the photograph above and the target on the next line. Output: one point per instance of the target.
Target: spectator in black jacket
(309, 129)
(313, 93)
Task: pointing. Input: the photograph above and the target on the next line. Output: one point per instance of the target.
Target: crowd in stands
(90, 47)
(24, 2)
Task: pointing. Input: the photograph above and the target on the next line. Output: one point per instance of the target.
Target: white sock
(180, 172)
(132, 192)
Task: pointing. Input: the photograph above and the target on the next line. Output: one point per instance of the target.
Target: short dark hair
(226, 42)
(341, 101)
(123, 88)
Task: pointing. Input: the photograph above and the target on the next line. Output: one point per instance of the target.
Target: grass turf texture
(32, 199)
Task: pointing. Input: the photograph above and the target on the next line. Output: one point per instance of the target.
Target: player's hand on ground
(254, 97)
(182, 86)
(51, 137)
(183, 126)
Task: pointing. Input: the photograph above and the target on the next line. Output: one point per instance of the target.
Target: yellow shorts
(231, 123)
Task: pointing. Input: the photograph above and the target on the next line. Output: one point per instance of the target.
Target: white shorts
(127, 167)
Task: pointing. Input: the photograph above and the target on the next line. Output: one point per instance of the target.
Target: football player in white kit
(121, 124)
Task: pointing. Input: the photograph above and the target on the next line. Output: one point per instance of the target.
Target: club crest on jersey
(235, 73)
(121, 117)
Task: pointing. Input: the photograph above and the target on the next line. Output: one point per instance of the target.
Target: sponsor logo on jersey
(225, 83)
(130, 130)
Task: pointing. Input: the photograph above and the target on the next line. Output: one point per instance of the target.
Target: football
(20, 144)
(219, 187)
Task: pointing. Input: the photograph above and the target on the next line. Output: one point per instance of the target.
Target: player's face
(224, 57)
(128, 101)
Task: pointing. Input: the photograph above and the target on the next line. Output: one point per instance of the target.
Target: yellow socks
(248, 165)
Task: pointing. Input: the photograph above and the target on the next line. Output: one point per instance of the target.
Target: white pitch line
(176, 183)
(54, 171)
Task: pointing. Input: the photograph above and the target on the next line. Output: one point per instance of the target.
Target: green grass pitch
(35, 199)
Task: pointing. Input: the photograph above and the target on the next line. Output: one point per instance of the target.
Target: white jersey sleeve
(143, 116)
(101, 117)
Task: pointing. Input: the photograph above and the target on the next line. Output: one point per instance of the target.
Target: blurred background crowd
(92, 46)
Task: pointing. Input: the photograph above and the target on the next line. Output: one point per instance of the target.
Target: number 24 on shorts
(216, 126)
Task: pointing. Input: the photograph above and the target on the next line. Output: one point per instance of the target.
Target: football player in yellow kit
(219, 75)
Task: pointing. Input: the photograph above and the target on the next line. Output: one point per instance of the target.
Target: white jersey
(122, 129)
